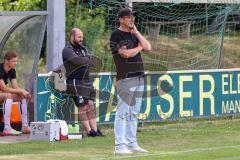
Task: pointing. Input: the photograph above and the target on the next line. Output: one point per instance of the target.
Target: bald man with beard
(77, 60)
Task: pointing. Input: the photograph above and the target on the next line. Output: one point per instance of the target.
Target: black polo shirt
(126, 67)
(11, 74)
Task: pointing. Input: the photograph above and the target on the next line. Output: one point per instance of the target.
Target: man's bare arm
(6, 89)
(128, 53)
(25, 93)
(144, 43)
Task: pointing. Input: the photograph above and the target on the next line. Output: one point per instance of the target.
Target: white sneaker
(11, 132)
(137, 149)
(122, 151)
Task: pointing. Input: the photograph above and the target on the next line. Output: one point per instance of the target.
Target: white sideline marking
(173, 152)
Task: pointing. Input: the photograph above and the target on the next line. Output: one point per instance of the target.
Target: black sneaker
(92, 133)
(99, 133)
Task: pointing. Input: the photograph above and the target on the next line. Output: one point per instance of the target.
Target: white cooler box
(46, 131)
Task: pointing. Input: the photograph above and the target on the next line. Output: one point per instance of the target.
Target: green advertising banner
(169, 95)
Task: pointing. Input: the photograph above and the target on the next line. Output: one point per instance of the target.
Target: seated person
(8, 95)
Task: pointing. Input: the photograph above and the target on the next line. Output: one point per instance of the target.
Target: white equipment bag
(60, 79)
(63, 132)
(44, 131)
(52, 130)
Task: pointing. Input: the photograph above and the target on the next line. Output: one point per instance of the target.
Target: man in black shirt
(126, 42)
(8, 95)
(77, 60)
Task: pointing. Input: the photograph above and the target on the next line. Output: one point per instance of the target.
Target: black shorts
(80, 101)
(81, 88)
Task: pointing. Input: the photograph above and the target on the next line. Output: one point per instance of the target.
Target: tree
(23, 5)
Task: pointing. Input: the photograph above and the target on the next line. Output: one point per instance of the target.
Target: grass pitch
(188, 140)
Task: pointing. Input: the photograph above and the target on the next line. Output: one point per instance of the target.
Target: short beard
(77, 43)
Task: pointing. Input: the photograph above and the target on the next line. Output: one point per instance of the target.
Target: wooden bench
(153, 28)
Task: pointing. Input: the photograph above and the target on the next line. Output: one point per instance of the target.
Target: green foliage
(70, 13)
(91, 25)
(90, 21)
(41, 65)
(23, 5)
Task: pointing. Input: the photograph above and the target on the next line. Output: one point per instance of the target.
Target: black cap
(126, 12)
